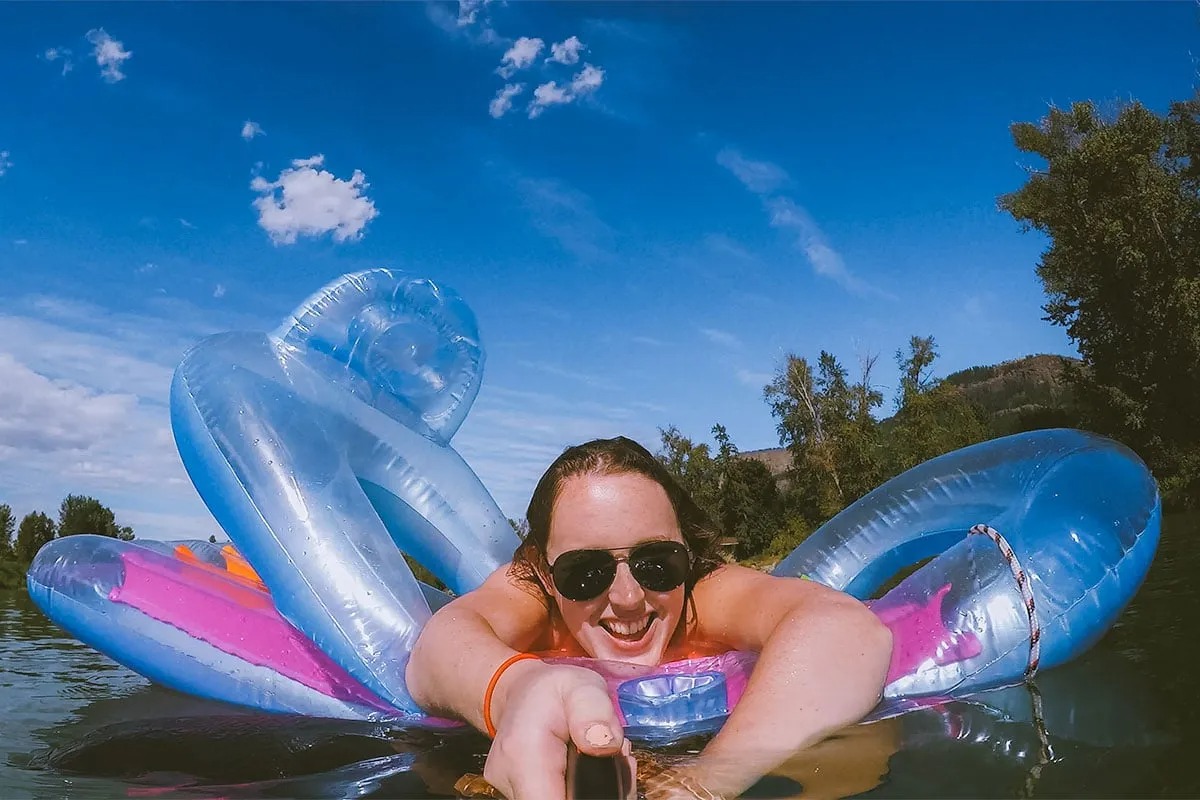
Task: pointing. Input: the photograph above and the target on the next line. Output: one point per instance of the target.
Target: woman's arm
(466, 640)
(823, 662)
(536, 708)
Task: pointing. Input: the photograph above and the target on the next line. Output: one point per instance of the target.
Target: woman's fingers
(540, 772)
(591, 719)
(528, 759)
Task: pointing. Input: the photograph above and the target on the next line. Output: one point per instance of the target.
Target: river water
(1123, 721)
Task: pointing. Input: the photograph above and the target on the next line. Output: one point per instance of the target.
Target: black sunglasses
(658, 566)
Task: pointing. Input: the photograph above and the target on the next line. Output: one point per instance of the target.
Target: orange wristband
(491, 687)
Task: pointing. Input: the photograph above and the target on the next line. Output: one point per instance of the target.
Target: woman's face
(627, 622)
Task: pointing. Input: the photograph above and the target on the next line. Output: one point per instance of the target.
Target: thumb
(592, 720)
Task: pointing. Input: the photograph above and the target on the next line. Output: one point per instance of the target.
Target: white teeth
(627, 628)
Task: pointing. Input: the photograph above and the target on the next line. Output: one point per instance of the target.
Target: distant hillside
(1025, 393)
(1015, 394)
(777, 459)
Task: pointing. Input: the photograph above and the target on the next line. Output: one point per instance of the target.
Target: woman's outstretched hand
(544, 707)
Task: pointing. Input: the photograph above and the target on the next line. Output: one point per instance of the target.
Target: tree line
(837, 450)
(1117, 195)
(76, 514)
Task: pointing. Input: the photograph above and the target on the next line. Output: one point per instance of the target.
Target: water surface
(1123, 721)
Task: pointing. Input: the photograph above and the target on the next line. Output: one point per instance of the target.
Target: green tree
(748, 503)
(35, 531)
(693, 466)
(7, 527)
(828, 426)
(934, 417)
(80, 514)
(916, 368)
(797, 407)
(1119, 199)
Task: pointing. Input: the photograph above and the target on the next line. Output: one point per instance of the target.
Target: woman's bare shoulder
(514, 608)
(740, 605)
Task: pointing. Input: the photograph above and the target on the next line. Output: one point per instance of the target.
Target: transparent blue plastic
(1082, 515)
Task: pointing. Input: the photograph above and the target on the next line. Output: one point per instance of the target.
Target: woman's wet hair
(618, 456)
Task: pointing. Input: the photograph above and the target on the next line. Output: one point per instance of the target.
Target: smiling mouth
(629, 631)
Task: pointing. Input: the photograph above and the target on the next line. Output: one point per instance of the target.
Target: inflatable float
(323, 449)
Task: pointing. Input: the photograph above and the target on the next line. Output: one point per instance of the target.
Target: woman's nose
(625, 591)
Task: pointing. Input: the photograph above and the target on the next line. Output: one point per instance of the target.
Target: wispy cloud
(60, 54)
(512, 435)
(468, 19)
(567, 51)
(521, 55)
(250, 129)
(765, 179)
(84, 392)
(760, 177)
(722, 338)
(307, 201)
(584, 83)
(5, 162)
(502, 103)
(566, 215)
(753, 379)
(561, 372)
(110, 54)
(726, 247)
(810, 240)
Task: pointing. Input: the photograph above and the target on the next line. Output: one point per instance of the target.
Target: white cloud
(522, 54)
(586, 81)
(219, 291)
(62, 54)
(470, 21)
(44, 415)
(110, 54)
(468, 11)
(825, 261)
(250, 129)
(722, 338)
(307, 201)
(760, 177)
(186, 224)
(546, 95)
(566, 51)
(765, 179)
(5, 162)
(85, 412)
(502, 102)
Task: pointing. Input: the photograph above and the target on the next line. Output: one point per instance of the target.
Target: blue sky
(646, 205)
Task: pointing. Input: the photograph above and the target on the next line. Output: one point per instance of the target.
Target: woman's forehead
(610, 511)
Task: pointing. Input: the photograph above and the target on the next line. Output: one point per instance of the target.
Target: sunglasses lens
(584, 574)
(659, 566)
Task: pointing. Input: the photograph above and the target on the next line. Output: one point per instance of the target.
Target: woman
(620, 564)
